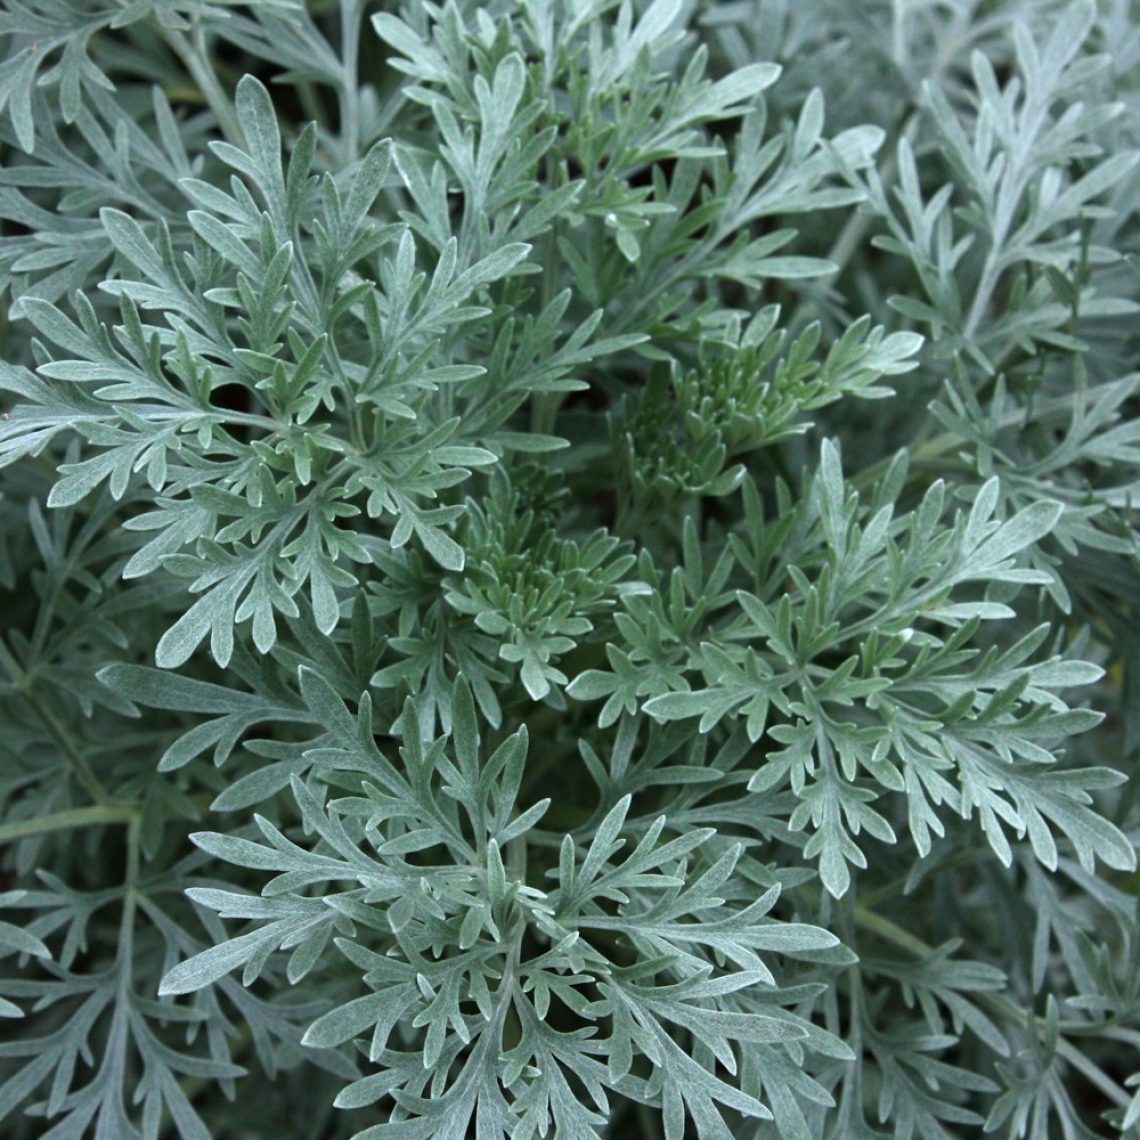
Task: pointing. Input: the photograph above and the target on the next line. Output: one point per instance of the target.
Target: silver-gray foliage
(569, 568)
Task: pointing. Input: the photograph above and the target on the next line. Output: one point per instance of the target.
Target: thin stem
(91, 816)
(126, 949)
(898, 32)
(850, 239)
(991, 271)
(544, 410)
(349, 92)
(897, 886)
(1009, 196)
(853, 1081)
(891, 932)
(12, 667)
(134, 862)
(59, 735)
(83, 771)
(193, 57)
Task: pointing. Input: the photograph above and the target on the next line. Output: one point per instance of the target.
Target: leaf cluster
(569, 568)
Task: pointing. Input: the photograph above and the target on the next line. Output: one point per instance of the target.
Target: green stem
(193, 57)
(83, 771)
(349, 92)
(544, 410)
(12, 667)
(853, 1079)
(850, 239)
(898, 886)
(898, 32)
(126, 948)
(889, 931)
(80, 767)
(91, 816)
(991, 272)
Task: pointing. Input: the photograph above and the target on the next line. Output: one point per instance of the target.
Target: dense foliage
(569, 569)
